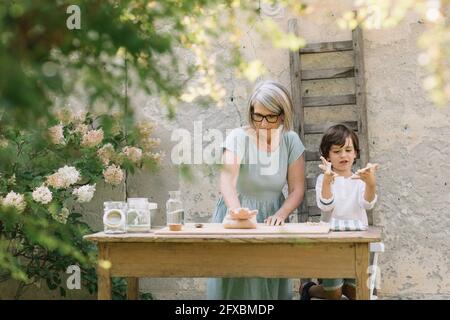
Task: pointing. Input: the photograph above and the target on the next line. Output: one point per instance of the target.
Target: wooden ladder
(303, 127)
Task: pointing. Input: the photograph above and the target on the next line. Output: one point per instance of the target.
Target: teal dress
(262, 176)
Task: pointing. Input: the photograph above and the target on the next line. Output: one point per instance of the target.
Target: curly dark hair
(337, 135)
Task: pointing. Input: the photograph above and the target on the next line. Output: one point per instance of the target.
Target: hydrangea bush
(45, 172)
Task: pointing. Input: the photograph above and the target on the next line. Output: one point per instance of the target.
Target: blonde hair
(275, 98)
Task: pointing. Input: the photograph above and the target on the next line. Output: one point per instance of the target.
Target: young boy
(342, 195)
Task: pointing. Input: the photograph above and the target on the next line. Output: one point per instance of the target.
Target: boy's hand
(329, 175)
(367, 174)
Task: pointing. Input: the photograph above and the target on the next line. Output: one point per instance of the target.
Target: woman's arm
(296, 187)
(228, 179)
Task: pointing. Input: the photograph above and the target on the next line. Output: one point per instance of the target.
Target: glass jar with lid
(138, 215)
(114, 216)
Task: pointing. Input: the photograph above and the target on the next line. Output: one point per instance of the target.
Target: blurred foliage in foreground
(434, 42)
(122, 43)
(46, 176)
(44, 63)
(52, 158)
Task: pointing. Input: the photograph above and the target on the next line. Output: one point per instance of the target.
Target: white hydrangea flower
(63, 178)
(56, 181)
(145, 128)
(56, 134)
(92, 138)
(133, 154)
(42, 195)
(67, 114)
(106, 153)
(15, 200)
(155, 156)
(81, 128)
(64, 115)
(78, 115)
(84, 193)
(70, 174)
(150, 143)
(113, 174)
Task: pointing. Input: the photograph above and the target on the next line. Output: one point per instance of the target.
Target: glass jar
(153, 207)
(138, 215)
(114, 216)
(175, 211)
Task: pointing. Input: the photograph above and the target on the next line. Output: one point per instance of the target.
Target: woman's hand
(242, 213)
(367, 174)
(328, 174)
(274, 220)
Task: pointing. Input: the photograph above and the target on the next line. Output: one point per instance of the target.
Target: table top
(373, 234)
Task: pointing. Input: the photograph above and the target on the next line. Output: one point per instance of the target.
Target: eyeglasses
(270, 118)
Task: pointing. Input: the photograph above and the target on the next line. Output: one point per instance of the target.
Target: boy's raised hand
(367, 174)
(326, 168)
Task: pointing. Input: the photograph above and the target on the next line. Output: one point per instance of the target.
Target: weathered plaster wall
(408, 136)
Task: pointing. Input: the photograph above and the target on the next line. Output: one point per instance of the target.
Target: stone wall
(408, 136)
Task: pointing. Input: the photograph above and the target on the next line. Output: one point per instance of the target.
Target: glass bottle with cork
(175, 211)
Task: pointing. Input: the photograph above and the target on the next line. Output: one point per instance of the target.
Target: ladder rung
(312, 156)
(317, 74)
(310, 183)
(327, 47)
(329, 100)
(321, 128)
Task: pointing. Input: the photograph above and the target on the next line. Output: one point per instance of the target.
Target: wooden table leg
(103, 274)
(362, 274)
(132, 288)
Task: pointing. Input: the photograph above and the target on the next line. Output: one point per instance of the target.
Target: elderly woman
(259, 160)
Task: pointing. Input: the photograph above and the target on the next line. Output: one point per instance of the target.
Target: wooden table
(332, 255)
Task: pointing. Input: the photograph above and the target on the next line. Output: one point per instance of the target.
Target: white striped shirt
(347, 202)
